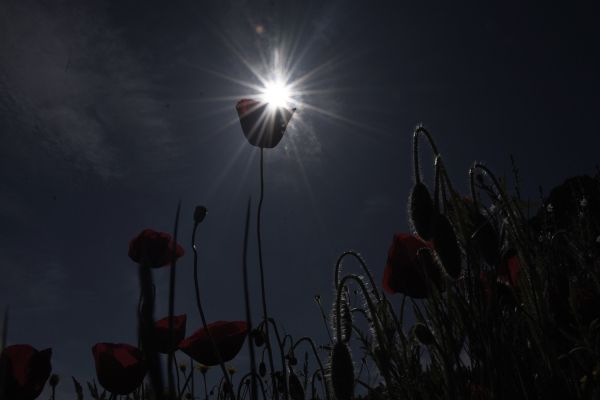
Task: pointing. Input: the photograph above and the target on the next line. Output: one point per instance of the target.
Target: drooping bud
(342, 371)
(296, 388)
(486, 238)
(259, 337)
(262, 369)
(446, 246)
(199, 214)
(420, 210)
(423, 334)
(346, 322)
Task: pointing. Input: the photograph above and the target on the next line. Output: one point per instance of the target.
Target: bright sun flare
(276, 94)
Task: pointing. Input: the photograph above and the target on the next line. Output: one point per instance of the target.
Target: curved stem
(262, 273)
(204, 324)
(362, 264)
(372, 309)
(255, 376)
(285, 391)
(424, 131)
(314, 349)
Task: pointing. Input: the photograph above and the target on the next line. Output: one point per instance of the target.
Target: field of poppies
(506, 294)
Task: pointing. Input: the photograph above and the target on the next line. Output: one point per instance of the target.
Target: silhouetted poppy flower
(510, 264)
(261, 126)
(404, 272)
(24, 371)
(119, 366)
(162, 333)
(158, 245)
(228, 336)
(477, 392)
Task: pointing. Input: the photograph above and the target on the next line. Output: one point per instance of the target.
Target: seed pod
(199, 214)
(296, 388)
(342, 371)
(423, 334)
(446, 246)
(485, 237)
(420, 210)
(262, 369)
(346, 322)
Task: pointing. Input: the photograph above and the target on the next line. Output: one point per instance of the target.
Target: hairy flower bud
(199, 214)
(296, 388)
(446, 246)
(420, 211)
(262, 369)
(486, 238)
(423, 334)
(342, 371)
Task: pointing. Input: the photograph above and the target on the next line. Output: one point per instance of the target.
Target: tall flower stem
(248, 314)
(262, 274)
(210, 337)
(172, 303)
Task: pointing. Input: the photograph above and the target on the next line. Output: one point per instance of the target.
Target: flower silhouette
(119, 366)
(229, 338)
(159, 248)
(404, 272)
(261, 126)
(510, 265)
(24, 371)
(162, 333)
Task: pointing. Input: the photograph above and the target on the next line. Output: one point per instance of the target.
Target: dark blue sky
(111, 112)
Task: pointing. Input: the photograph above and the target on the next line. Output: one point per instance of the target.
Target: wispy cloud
(73, 92)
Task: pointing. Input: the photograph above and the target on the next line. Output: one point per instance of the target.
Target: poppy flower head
(162, 333)
(510, 264)
(229, 338)
(154, 248)
(24, 371)
(263, 127)
(404, 271)
(119, 366)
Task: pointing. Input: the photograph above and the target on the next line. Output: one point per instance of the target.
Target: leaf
(78, 389)
(103, 395)
(93, 391)
(504, 183)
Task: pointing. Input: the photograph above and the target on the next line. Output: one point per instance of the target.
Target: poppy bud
(420, 210)
(485, 237)
(199, 214)
(342, 371)
(259, 339)
(293, 360)
(54, 379)
(446, 246)
(346, 322)
(262, 369)
(296, 388)
(423, 334)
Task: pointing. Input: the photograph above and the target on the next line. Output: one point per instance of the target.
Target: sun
(277, 94)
